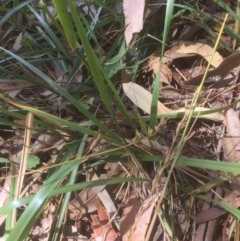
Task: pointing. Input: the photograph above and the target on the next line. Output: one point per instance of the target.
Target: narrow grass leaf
(52, 35)
(35, 207)
(61, 7)
(57, 89)
(106, 88)
(233, 168)
(93, 62)
(11, 13)
(156, 86)
(67, 196)
(59, 122)
(234, 211)
(70, 188)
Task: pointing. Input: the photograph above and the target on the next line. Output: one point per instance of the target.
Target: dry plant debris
(133, 19)
(175, 201)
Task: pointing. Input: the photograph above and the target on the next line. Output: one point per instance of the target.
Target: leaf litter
(88, 215)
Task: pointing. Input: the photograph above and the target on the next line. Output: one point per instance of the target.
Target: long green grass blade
(35, 207)
(70, 188)
(13, 11)
(50, 32)
(93, 62)
(168, 19)
(67, 196)
(66, 21)
(57, 89)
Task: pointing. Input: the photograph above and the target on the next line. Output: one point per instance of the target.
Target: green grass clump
(72, 63)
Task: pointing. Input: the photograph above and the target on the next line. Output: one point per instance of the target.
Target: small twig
(25, 153)
(23, 163)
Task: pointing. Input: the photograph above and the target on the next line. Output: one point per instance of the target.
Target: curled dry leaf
(186, 47)
(153, 65)
(172, 54)
(231, 143)
(133, 12)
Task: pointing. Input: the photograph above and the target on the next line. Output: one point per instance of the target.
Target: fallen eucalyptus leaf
(215, 116)
(186, 47)
(231, 143)
(142, 98)
(133, 12)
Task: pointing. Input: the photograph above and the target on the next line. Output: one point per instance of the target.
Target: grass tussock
(80, 148)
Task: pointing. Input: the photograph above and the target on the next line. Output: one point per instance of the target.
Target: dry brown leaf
(212, 116)
(86, 200)
(4, 195)
(133, 12)
(46, 141)
(231, 143)
(41, 232)
(232, 199)
(172, 54)
(17, 44)
(139, 228)
(186, 47)
(102, 228)
(130, 211)
(142, 98)
(153, 65)
(15, 86)
(106, 199)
